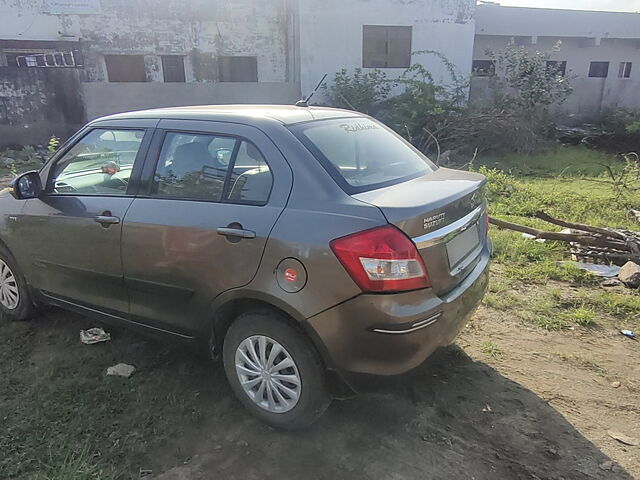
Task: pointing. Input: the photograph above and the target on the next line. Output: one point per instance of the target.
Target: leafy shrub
(436, 118)
(362, 91)
(622, 121)
(16, 161)
(524, 81)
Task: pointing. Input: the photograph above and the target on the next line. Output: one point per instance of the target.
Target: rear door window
(250, 180)
(193, 166)
(211, 167)
(361, 154)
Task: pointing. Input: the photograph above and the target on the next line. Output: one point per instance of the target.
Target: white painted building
(599, 50)
(336, 34)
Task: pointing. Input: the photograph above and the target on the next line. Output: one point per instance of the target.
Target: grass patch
(561, 161)
(625, 307)
(501, 301)
(491, 349)
(582, 316)
(63, 419)
(571, 183)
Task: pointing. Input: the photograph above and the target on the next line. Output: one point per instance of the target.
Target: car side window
(207, 167)
(193, 166)
(251, 179)
(99, 164)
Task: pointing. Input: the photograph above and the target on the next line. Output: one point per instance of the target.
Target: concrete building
(63, 62)
(336, 34)
(599, 50)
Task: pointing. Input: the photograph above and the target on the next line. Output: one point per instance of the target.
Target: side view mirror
(25, 186)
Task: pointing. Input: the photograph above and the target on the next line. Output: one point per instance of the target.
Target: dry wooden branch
(584, 239)
(580, 226)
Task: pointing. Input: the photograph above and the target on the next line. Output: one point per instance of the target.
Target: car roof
(284, 114)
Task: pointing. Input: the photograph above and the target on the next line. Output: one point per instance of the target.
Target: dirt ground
(540, 409)
(537, 405)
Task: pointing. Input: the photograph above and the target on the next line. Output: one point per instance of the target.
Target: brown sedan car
(301, 245)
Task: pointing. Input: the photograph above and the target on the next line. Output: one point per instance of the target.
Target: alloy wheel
(9, 294)
(268, 374)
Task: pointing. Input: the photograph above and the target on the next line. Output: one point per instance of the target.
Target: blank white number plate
(463, 244)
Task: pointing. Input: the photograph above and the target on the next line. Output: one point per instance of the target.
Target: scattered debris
(611, 282)
(615, 384)
(622, 438)
(94, 335)
(628, 333)
(606, 271)
(532, 237)
(487, 408)
(630, 275)
(122, 370)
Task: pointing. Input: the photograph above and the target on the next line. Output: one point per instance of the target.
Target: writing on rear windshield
(358, 127)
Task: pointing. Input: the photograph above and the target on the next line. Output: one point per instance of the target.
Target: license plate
(462, 245)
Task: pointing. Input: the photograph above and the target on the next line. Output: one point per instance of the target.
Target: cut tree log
(606, 245)
(580, 226)
(583, 239)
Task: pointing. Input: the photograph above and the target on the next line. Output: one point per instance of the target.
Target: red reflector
(382, 259)
(290, 275)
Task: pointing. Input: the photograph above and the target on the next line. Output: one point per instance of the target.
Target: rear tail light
(486, 216)
(382, 259)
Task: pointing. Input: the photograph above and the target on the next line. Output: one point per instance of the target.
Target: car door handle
(107, 220)
(236, 232)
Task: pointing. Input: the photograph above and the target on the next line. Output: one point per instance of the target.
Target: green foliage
(582, 316)
(435, 117)
(491, 349)
(16, 161)
(362, 91)
(622, 121)
(54, 142)
(524, 82)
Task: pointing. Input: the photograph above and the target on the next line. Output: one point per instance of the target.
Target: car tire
(283, 404)
(15, 299)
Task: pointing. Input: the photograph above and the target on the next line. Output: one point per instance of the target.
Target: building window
(238, 69)
(173, 68)
(557, 67)
(126, 68)
(599, 69)
(484, 68)
(625, 70)
(386, 47)
(46, 58)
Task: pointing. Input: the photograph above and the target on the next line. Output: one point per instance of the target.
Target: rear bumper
(391, 334)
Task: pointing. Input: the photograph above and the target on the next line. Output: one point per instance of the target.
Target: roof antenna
(305, 101)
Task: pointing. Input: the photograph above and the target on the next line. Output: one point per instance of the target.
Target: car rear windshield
(362, 154)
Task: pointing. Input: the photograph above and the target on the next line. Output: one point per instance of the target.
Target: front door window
(99, 164)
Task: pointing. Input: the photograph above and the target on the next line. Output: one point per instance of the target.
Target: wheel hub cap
(268, 374)
(9, 295)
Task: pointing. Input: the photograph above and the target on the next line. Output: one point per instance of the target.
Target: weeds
(583, 316)
(491, 349)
